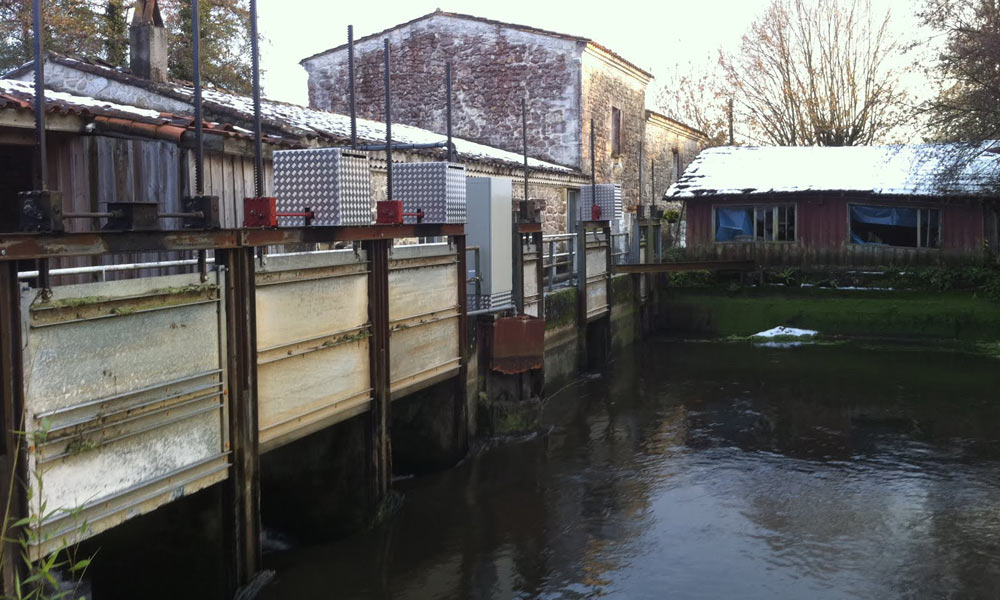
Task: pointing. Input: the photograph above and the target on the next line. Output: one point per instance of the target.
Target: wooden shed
(814, 206)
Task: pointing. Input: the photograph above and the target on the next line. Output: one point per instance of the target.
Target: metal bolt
(3, 252)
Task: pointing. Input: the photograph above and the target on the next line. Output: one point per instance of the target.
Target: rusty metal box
(332, 182)
(437, 188)
(609, 198)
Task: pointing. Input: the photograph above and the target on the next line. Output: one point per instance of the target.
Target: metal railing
(559, 256)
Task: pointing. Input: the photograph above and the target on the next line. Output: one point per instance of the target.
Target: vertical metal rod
(388, 126)
(350, 87)
(447, 82)
(461, 420)
(258, 157)
(41, 171)
(652, 182)
(524, 141)
(640, 172)
(552, 264)
(593, 172)
(199, 148)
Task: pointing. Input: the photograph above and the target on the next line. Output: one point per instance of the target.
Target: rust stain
(518, 344)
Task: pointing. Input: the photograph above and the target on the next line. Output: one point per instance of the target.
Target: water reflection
(703, 470)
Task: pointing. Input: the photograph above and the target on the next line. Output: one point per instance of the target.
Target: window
(895, 226)
(616, 131)
(676, 165)
(774, 223)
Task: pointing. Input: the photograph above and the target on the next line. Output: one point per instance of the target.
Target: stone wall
(494, 67)
(606, 86)
(663, 139)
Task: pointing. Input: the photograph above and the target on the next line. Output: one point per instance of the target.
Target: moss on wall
(560, 308)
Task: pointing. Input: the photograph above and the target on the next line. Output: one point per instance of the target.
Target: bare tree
(967, 107)
(816, 72)
(697, 95)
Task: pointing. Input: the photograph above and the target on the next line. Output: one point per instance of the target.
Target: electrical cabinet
(489, 202)
(609, 198)
(436, 188)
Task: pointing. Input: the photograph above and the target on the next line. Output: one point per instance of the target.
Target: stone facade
(609, 85)
(670, 147)
(493, 69)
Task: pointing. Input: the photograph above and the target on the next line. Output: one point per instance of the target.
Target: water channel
(708, 470)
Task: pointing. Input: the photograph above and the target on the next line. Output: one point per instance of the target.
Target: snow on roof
(320, 123)
(290, 118)
(25, 92)
(907, 170)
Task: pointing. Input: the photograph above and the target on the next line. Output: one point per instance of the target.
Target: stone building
(567, 81)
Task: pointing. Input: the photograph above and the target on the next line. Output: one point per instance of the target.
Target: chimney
(147, 40)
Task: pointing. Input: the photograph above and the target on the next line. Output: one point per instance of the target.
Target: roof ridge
(457, 15)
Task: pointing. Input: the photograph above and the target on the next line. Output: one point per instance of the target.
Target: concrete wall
(494, 67)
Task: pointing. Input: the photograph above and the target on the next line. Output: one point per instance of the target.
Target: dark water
(709, 470)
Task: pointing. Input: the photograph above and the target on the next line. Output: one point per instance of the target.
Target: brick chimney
(147, 40)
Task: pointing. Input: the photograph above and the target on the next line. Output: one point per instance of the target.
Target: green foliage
(40, 580)
(71, 27)
(687, 279)
(225, 42)
(98, 29)
(672, 215)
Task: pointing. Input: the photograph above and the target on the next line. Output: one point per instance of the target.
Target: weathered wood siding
(822, 234)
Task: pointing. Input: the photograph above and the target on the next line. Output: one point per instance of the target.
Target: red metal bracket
(263, 212)
(595, 212)
(390, 212)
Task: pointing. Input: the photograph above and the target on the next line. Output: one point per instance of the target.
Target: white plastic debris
(786, 332)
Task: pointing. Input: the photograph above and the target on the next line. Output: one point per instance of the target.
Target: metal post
(41, 162)
(258, 155)
(540, 272)
(524, 141)
(517, 265)
(241, 494)
(552, 264)
(199, 148)
(41, 171)
(388, 126)
(593, 169)
(447, 81)
(380, 463)
(581, 294)
(350, 86)
(15, 456)
(461, 423)
(199, 145)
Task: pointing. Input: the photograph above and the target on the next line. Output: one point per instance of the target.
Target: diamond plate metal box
(334, 183)
(609, 198)
(437, 188)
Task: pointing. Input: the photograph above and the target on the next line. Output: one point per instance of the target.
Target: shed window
(895, 226)
(755, 223)
(616, 131)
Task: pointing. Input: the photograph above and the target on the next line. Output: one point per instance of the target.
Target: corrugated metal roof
(903, 170)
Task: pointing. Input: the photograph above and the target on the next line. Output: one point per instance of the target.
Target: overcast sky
(654, 35)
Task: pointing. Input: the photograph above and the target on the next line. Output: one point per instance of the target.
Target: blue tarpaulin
(884, 215)
(733, 222)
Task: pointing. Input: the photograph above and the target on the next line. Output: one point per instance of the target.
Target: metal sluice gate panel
(313, 334)
(125, 402)
(598, 278)
(423, 317)
(332, 182)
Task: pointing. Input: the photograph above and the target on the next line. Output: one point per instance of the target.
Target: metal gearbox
(436, 188)
(609, 198)
(333, 183)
